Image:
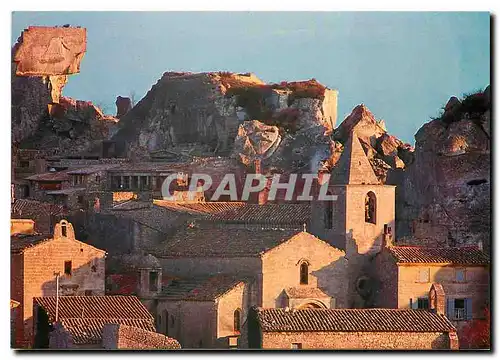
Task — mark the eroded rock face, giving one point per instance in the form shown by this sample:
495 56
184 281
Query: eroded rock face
48 51
385 152
208 108
255 141
445 193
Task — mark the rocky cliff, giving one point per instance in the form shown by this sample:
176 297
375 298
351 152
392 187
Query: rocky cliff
444 197
42 60
207 109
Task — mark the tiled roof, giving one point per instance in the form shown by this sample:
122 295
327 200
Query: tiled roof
270 213
200 289
145 213
222 242
85 316
201 208
92 169
352 320
143 339
21 242
89 331
305 292
26 208
50 176
429 255
95 307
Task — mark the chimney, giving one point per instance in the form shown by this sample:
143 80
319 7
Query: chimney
387 236
437 299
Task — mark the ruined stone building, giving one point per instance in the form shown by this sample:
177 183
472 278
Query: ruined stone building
35 261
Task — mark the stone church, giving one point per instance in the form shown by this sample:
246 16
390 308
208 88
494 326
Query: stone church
357 221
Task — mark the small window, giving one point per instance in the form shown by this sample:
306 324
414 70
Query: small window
423 303
80 199
237 320
64 230
423 275
93 268
153 281
296 346
460 275
460 309
304 273
88 292
97 179
67 267
370 208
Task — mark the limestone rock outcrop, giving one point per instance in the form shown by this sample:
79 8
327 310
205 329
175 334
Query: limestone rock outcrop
444 195
385 151
255 141
47 51
42 60
207 109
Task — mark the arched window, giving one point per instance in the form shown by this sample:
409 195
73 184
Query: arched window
370 208
304 273
237 318
328 213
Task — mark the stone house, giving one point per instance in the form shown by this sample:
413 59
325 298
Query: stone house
80 320
405 274
356 221
40 184
35 261
272 268
349 329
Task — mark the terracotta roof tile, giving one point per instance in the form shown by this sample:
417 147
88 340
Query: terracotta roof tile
429 255
25 208
92 169
270 213
50 176
84 316
95 307
222 242
201 208
352 320
89 331
21 242
305 292
142 339
200 289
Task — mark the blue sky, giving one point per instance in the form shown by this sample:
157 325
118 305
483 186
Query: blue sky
403 66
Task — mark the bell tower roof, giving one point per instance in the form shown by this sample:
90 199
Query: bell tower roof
353 167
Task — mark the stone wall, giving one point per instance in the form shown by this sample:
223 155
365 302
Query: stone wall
204 266
476 286
281 269
40 263
357 340
192 323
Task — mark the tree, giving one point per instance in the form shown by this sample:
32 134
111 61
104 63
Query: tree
476 335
